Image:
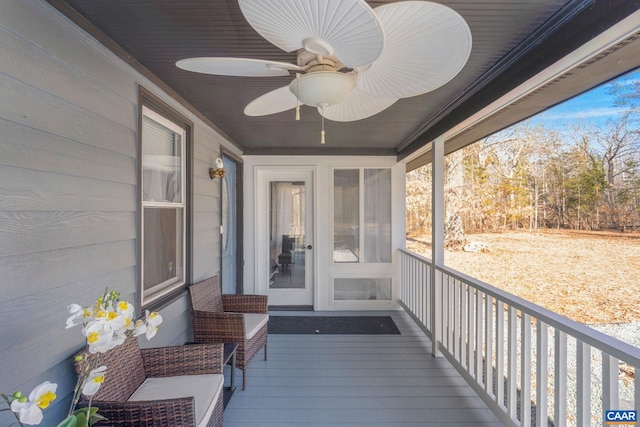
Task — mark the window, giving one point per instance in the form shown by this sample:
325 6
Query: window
362 215
361 289
163 194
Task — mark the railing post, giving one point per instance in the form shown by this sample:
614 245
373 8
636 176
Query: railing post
583 383
560 379
542 374
437 241
610 392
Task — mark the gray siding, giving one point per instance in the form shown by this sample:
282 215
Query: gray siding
68 129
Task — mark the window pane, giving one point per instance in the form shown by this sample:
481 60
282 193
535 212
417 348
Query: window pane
163 264
226 212
377 215
346 215
362 289
161 162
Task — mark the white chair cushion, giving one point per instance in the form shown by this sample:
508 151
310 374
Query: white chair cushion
253 322
205 389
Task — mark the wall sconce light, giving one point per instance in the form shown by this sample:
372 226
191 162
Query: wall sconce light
218 171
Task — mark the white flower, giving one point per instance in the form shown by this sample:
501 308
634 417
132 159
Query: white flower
30 411
78 315
154 318
125 309
74 308
119 337
149 326
139 328
99 338
94 381
111 320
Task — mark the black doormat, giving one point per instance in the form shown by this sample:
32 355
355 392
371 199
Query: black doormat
336 325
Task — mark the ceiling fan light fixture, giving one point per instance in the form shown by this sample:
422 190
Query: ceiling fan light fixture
322 88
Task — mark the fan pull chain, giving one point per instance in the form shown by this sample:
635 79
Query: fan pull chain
297 100
322 131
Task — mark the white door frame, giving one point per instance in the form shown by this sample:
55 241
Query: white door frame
263 177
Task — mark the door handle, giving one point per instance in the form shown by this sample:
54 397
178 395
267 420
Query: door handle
309 247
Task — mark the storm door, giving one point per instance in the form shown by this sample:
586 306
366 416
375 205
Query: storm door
231 229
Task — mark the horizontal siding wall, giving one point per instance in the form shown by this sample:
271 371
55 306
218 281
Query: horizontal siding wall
68 129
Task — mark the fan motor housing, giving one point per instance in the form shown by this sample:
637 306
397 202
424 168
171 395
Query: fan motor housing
314 62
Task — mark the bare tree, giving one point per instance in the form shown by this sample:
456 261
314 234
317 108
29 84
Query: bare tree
616 144
454 237
418 200
528 177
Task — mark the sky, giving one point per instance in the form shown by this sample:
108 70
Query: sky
595 106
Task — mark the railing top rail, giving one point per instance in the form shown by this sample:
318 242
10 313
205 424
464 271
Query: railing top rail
613 346
415 255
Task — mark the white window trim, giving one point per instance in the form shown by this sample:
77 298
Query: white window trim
361 218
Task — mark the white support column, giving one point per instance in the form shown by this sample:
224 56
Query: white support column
437 240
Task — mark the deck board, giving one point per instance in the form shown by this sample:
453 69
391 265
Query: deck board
355 380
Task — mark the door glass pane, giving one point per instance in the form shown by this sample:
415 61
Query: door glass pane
225 213
346 215
377 215
287 234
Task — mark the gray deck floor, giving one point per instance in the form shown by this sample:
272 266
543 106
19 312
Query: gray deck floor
354 380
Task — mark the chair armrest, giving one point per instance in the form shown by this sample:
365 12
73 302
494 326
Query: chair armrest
245 303
213 327
151 413
182 360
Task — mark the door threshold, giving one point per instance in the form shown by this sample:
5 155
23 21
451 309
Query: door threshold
290 308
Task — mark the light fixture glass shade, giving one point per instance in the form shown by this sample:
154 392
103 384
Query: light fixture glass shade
322 88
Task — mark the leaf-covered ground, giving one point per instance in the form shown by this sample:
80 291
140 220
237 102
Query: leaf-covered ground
590 277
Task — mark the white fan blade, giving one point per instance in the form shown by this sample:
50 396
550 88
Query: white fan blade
272 102
358 105
237 67
426 45
348 29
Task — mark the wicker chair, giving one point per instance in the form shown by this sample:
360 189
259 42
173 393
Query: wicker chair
240 319
134 376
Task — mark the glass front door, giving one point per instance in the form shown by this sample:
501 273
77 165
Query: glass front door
287 218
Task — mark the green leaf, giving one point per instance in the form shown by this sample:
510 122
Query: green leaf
94 417
81 420
70 421
83 411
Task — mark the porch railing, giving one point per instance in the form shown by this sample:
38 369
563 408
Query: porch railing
530 365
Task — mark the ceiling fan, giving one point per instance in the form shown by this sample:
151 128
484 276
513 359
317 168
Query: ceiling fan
352 61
